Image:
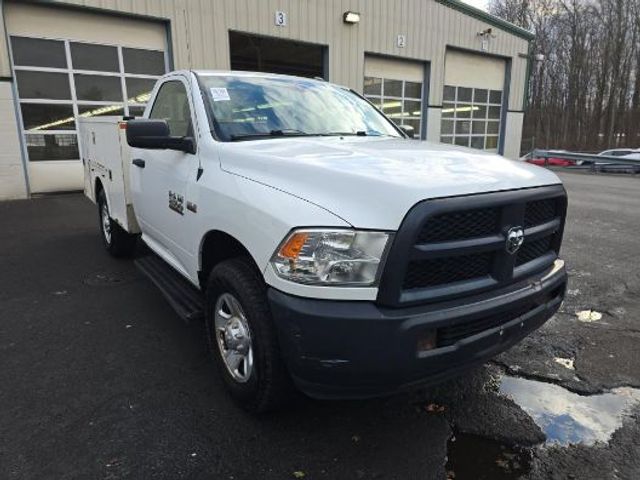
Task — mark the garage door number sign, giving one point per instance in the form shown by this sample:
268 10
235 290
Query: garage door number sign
281 19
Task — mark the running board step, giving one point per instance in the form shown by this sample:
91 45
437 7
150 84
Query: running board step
186 300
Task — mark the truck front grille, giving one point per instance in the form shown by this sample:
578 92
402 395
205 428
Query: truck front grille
460 225
456 246
428 273
533 249
540 211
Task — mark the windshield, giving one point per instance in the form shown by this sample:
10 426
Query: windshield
246 108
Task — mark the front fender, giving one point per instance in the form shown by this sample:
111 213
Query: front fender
257 215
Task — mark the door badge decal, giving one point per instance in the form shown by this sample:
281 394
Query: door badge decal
176 202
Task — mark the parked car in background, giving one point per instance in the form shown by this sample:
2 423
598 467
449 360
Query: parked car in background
551 161
623 168
610 166
619 152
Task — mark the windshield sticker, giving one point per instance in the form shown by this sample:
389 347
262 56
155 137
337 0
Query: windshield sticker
219 94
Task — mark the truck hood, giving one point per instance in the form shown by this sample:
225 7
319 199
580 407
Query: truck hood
373 182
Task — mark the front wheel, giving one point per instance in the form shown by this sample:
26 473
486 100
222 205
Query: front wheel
117 241
242 337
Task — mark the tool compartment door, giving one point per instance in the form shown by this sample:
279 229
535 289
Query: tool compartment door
106 160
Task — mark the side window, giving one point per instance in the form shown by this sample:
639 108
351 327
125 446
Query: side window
172 105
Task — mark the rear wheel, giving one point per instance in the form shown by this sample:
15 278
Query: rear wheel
242 337
117 241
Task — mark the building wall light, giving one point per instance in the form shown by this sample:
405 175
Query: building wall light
351 17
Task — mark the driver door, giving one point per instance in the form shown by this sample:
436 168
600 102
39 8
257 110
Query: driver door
162 183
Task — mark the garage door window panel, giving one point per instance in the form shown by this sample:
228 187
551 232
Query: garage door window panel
43 85
480 95
462 141
36 52
392 88
41 116
494 113
479 112
463 110
475 116
43 147
449 94
400 100
447 127
372 86
101 58
139 89
413 122
98 88
479 128
146 62
477 142
464 94
413 90
491 143
448 110
58 80
463 127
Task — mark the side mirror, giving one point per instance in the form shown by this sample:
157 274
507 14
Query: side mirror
408 130
154 134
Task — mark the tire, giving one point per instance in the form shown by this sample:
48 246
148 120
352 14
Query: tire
118 242
265 385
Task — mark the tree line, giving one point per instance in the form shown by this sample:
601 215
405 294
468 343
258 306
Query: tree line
585 94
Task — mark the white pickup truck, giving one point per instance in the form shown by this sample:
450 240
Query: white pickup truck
325 249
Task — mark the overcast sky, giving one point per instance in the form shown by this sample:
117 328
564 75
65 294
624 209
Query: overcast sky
477 3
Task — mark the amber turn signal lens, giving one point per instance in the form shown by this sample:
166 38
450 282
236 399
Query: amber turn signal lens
426 341
292 248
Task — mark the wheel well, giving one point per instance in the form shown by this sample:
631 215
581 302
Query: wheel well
98 188
216 247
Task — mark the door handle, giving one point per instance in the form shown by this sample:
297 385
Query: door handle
138 162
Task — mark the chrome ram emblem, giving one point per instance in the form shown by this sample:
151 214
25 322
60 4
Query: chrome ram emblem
515 238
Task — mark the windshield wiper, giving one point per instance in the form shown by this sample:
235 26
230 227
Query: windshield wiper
287 132
359 133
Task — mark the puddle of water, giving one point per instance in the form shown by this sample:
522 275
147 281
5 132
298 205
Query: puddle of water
478 458
566 417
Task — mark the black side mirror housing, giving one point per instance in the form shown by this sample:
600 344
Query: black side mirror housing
408 130
155 134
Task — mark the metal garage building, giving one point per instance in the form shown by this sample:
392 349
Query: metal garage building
453 72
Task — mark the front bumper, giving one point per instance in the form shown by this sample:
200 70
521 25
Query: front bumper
356 349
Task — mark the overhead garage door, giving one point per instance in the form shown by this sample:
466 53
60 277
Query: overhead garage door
396 86
276 55
472 100
69 63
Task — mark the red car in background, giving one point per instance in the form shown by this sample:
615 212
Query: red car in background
551 161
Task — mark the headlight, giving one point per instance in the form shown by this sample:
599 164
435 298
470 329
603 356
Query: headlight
331 257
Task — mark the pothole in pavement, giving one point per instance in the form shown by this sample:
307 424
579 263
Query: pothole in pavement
566 417
563 416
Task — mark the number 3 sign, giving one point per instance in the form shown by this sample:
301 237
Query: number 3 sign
281 19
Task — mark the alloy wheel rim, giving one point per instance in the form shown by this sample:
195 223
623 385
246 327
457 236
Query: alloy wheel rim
233 337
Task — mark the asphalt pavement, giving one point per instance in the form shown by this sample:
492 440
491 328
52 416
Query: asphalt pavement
99 379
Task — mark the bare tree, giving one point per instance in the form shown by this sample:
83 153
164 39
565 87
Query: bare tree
586 94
